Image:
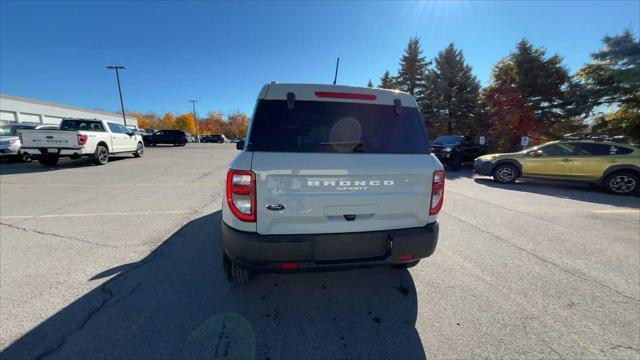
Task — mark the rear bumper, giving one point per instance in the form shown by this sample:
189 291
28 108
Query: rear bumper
483 167
327 251
61 151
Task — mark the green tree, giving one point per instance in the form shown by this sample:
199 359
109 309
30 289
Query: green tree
369 84
451 94
613 79
387 81
413 67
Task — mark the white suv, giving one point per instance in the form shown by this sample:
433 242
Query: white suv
331 177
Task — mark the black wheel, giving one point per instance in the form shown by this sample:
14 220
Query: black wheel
139 150
455 163
24 157
101 156
405 265
505 173
622 183
236 274
48 160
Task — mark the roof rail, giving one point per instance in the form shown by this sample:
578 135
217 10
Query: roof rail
601 137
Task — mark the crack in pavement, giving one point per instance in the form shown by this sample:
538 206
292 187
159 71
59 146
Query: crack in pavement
543 259
57 235
109 294
72 238
109 289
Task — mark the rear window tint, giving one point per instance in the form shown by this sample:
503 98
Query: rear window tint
84 125
588 149
314 126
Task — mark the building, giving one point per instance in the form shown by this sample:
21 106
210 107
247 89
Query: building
17 109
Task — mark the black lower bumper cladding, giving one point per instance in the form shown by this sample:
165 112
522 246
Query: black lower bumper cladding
318 251
483 167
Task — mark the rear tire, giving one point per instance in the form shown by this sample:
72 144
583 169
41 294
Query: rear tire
48 160
101 156
622 183
236 274
139 150
505 173
24 157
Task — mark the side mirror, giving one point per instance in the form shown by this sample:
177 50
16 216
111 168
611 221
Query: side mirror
240 145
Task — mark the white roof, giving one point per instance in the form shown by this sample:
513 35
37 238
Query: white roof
323 92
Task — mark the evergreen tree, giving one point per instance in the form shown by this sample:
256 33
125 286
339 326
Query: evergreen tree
369 84
413 67
614 75
387 81
541 80
613 78
451 90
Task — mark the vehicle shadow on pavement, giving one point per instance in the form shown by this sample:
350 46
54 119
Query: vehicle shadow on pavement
9 168
176 303
465 171
567 190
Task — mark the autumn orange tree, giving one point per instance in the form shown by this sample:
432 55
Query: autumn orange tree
186 122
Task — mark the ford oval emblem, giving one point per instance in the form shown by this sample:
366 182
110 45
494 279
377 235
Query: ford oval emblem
275 207
49 137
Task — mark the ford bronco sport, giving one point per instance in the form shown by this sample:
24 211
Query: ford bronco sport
331 177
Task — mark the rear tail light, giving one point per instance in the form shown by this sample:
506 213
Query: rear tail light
437 192
241 194
82 139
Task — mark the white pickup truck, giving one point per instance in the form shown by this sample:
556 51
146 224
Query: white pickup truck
81 137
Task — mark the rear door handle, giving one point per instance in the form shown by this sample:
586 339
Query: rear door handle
567 160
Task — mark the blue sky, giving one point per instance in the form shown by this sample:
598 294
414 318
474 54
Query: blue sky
222 53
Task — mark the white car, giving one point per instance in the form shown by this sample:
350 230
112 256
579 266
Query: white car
10 140
331 177
97 139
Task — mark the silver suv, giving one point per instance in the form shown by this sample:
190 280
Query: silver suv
331 177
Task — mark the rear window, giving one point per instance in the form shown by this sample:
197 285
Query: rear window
314 126
84 125
589 149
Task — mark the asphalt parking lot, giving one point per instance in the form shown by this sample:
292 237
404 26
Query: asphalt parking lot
123 261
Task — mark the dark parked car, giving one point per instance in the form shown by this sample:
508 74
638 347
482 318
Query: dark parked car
454 150
171 137
217 138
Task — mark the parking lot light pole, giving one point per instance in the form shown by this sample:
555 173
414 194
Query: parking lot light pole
193 102
116 68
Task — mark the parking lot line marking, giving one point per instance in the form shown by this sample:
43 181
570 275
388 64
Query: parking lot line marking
617 211
135 213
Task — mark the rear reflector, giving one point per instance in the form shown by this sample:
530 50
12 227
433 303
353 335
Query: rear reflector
406 257
289 266
341 95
